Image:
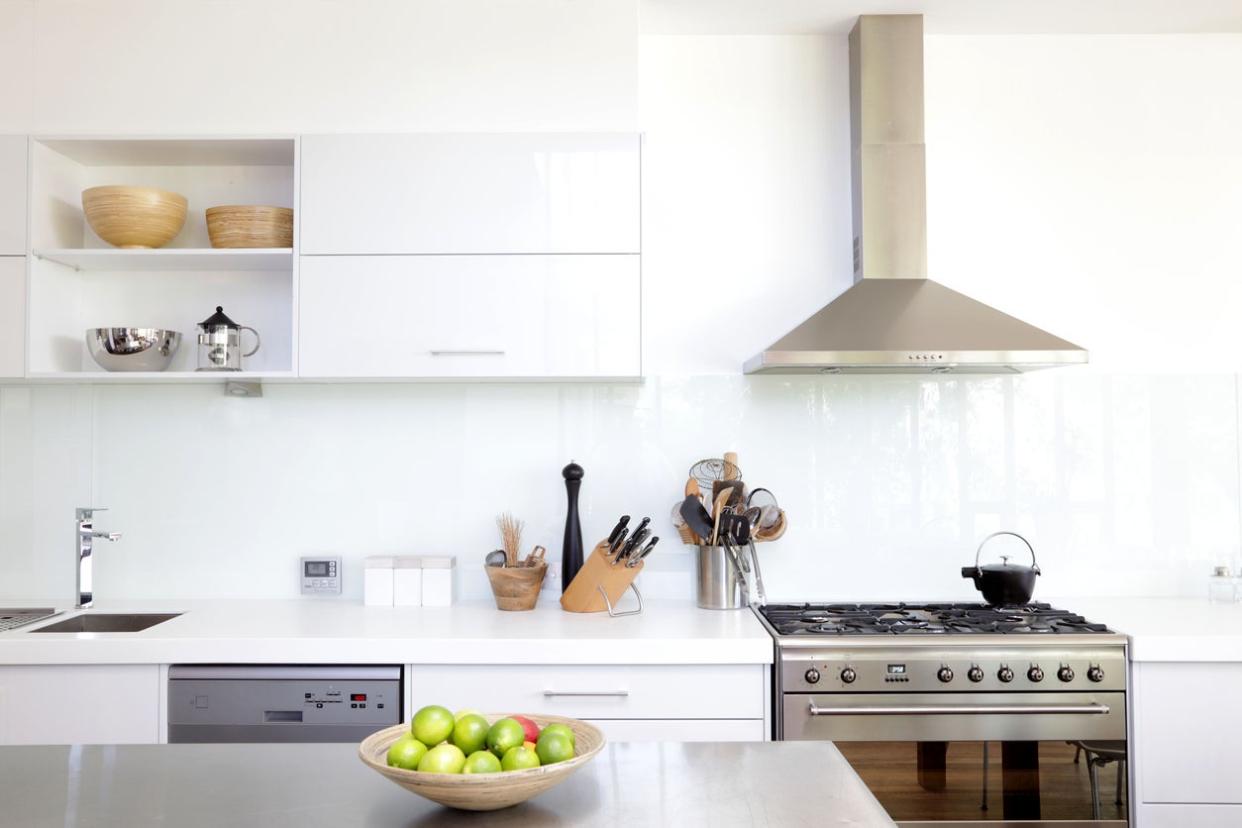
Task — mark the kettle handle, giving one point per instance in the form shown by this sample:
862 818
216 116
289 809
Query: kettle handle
257 341
984 542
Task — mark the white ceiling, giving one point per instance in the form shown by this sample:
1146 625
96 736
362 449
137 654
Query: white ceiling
944 16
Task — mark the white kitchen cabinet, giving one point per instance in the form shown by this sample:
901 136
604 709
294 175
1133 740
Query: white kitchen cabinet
469 316
638 702
445 193
12 316
1189 816
682 730
79 704
13 151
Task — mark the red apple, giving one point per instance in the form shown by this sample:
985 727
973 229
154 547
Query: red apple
532 729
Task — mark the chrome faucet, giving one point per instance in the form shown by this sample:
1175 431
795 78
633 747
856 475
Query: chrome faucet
86 541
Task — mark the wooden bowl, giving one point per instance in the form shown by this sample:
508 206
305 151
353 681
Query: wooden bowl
134 217
483 791
249 226
516 588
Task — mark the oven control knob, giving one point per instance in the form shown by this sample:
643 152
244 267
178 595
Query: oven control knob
811 676
945 674
975 673
848 675
1005 674
1035 673
1095 673
1066 673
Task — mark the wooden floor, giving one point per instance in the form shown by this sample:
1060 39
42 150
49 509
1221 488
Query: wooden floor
890 771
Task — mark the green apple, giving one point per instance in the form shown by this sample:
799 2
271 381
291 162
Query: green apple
505 734
553 747
406 752
470 733
461 714
432 725
443 759
557 727
519 758
482 761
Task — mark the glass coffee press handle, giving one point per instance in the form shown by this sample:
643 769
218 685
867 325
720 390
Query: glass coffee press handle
257 341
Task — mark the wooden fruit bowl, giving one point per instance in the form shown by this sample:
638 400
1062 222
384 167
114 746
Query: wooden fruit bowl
134 217
483 791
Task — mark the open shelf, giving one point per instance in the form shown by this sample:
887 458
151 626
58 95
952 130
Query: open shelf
101 376
170 258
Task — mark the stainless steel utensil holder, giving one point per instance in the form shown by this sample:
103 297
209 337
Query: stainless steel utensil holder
719 583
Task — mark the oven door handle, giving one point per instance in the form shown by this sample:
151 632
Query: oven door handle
1093 709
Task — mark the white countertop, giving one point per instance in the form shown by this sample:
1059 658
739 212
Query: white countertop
1168 629
337 632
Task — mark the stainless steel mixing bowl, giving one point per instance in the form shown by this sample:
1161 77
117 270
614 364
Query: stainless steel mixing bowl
132 349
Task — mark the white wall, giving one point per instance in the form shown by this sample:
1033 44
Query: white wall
1057 192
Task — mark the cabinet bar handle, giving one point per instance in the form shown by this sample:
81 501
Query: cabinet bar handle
552 693
468 353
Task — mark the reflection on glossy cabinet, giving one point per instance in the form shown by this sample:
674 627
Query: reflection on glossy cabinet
502 193
109 704
13 150
12 316
469 316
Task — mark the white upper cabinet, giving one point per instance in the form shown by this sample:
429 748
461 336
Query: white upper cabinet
13 195
469 316
12 316
443 193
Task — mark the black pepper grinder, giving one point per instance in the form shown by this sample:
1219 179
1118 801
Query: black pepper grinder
571 548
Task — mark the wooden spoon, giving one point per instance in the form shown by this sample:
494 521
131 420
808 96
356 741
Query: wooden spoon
731 468
692 488
718 505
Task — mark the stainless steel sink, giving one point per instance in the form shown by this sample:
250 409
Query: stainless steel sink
110 622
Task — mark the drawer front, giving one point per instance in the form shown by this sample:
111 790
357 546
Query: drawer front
1189 816
681 730
596 691
461 194
12 316
469 316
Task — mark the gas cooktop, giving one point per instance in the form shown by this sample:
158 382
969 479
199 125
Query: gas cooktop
802 620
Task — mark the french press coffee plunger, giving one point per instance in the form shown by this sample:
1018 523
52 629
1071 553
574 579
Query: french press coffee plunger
219 343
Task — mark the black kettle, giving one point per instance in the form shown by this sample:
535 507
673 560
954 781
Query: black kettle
1004 583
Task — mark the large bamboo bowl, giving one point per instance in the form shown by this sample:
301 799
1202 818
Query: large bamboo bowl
250 226
134 217
483 791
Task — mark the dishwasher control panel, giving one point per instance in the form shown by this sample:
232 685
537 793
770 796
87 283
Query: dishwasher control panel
281 703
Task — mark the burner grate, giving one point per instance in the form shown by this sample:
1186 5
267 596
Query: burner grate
925 619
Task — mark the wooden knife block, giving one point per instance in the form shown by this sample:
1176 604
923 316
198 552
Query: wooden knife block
583 593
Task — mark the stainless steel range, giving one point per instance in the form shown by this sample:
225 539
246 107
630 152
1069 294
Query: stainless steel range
961 713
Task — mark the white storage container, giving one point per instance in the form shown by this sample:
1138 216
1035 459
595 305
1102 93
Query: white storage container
377 583
408 581
438 581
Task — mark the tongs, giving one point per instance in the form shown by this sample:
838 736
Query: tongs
735 536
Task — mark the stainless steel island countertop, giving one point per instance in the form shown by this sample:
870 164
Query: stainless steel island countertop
629 784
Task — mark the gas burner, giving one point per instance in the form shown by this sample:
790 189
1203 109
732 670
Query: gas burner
925 619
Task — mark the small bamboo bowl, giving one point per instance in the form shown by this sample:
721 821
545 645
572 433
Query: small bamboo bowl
483 791
237 226
516 588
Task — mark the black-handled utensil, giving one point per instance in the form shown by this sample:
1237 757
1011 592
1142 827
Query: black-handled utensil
697 517
632 544
618 529
615 547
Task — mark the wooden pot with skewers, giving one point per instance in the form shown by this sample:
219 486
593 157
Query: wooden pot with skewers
515 580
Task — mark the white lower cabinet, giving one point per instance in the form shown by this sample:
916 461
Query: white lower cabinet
79 704
630 703
445 317
1187 744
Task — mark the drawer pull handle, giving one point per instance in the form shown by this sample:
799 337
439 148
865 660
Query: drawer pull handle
467 353
553 693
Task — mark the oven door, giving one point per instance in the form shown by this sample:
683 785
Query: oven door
978 758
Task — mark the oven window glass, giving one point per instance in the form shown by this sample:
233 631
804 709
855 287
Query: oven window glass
993 781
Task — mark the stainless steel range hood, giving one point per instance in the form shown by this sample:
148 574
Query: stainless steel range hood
894 319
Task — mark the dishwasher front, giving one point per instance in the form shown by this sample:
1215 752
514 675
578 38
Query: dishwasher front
281 703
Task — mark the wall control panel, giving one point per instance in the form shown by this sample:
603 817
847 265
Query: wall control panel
321 576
